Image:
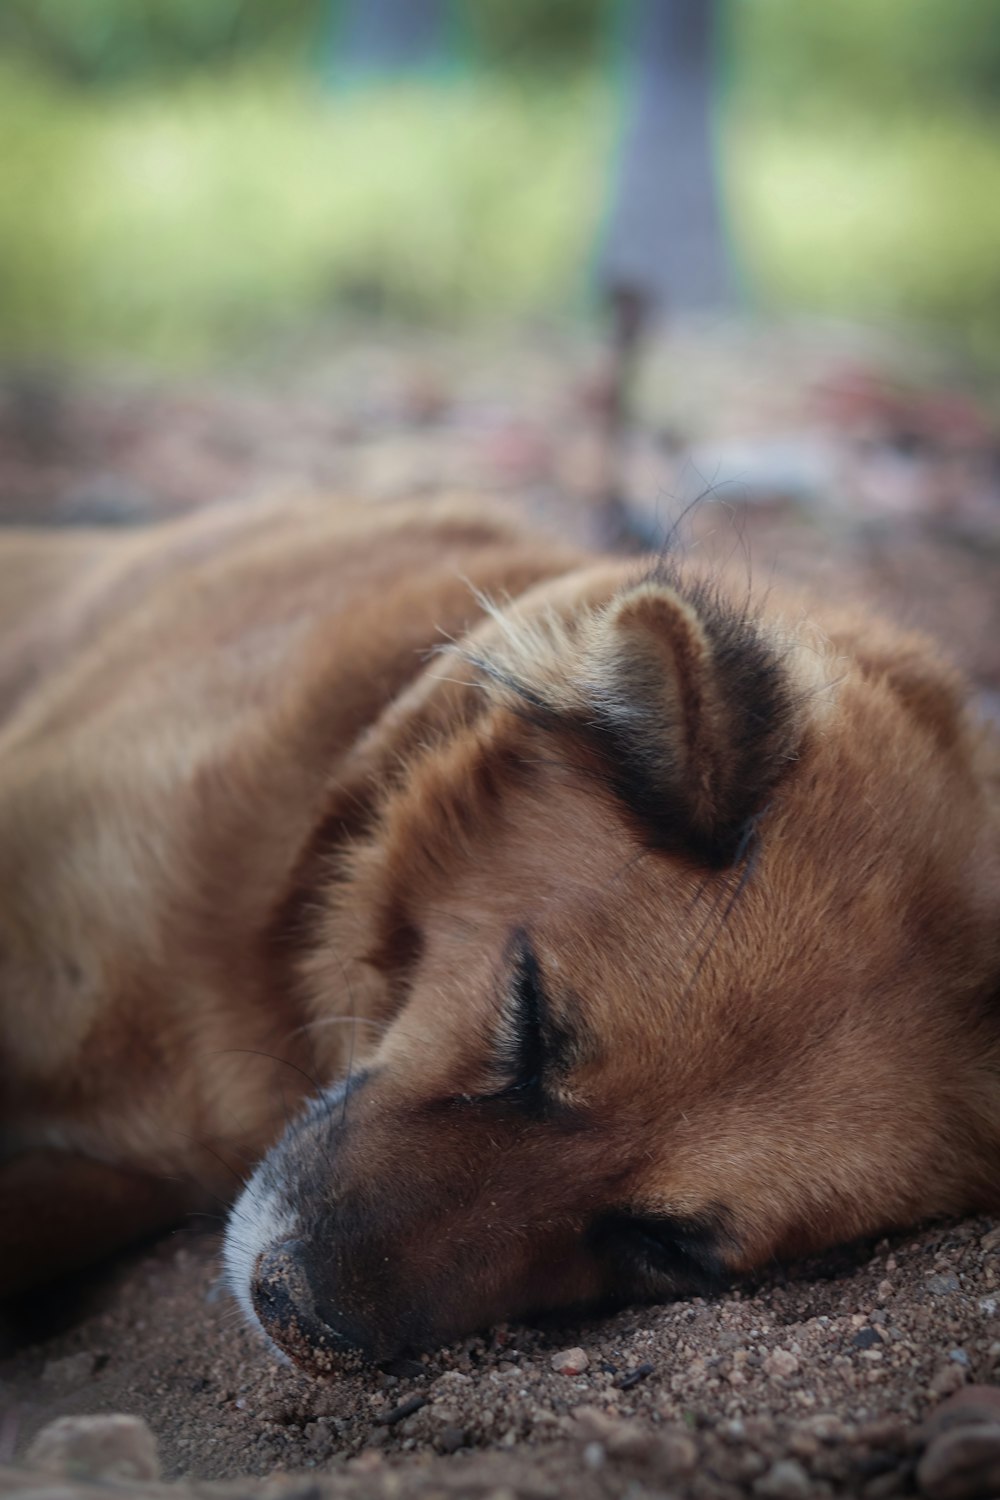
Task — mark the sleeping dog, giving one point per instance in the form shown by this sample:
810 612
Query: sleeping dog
505 927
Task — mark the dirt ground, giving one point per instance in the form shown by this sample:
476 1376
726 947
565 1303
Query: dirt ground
850 462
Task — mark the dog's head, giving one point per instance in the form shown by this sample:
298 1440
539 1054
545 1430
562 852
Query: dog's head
671 935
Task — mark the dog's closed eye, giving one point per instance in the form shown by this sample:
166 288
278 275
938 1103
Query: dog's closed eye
530 1046
526 1039
685 1250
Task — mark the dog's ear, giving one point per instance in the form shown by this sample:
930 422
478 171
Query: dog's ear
678 700
442 700
690 709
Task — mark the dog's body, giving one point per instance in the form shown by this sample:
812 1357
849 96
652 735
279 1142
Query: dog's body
668 925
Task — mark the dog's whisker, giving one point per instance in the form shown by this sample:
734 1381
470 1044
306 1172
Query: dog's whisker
271 1057
205 1146
346 1020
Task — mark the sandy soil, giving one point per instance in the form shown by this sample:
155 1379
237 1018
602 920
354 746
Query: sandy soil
836 459
827 1373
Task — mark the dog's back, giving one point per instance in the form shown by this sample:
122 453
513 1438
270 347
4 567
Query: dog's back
173 704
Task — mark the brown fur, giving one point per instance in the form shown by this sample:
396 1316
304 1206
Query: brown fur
667 919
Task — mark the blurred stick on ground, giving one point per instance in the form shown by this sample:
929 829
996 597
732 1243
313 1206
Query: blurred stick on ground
663 248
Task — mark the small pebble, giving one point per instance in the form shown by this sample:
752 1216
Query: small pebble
827 1427
108 1447
972 1404
947 1379
677 1455
963 1464
450 1439
570 1362
785 1480
631 1440
781 1363
367 1461
943 1284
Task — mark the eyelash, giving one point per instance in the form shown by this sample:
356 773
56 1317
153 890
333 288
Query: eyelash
525 1046
527 1003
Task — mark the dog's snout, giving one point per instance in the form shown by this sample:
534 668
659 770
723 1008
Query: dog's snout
284 1301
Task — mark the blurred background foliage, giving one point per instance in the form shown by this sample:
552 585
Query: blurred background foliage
182 180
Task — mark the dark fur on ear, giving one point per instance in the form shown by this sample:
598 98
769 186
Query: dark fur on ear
691 710
680 698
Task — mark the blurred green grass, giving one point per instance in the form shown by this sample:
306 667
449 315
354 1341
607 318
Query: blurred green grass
895 223
174 221
194 216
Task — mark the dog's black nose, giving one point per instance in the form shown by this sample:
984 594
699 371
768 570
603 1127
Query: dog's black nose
284 1302
279 1288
